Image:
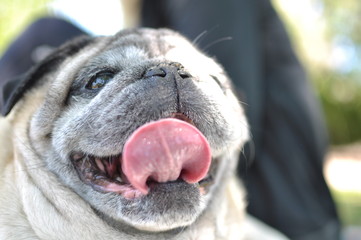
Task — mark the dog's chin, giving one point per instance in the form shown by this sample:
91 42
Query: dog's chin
167 206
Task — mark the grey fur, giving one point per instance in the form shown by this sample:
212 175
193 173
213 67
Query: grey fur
68 118
101 124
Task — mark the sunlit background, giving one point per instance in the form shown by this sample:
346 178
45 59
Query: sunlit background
327 37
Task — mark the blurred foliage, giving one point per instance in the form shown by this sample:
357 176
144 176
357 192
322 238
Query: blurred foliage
340 95
15 15
340 89
343 18
331 53
349 207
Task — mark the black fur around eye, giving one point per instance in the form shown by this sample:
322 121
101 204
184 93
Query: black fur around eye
99 80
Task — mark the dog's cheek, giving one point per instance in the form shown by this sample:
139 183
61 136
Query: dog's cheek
58 85
46 126
233 126
224 126
41 129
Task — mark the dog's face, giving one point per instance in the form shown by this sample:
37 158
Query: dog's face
142 126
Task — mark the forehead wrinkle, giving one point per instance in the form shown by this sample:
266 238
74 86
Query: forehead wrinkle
154 45
119 58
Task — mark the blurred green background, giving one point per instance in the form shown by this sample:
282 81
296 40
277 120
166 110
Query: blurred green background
327 37
15 15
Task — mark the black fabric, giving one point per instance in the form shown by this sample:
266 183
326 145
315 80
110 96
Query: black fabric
17 59
285 182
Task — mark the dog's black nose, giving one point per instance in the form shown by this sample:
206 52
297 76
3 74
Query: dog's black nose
163 71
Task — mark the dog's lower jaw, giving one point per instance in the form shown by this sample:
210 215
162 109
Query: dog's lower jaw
169 211
163 210
222 218
212 208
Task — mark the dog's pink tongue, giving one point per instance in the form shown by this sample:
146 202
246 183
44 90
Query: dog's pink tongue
164 151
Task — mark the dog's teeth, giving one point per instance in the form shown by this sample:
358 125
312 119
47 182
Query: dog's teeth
111 167
99 177
119 179
78 156
100 165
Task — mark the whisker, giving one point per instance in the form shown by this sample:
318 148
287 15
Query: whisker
243 103
217 41
195 41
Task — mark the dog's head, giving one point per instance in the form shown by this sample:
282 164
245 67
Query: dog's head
141 125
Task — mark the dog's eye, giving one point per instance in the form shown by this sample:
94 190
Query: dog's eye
99 80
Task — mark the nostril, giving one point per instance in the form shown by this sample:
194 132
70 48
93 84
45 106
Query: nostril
155 72
184 74
169 70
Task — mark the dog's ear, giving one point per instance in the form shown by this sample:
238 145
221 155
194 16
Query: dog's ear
14 90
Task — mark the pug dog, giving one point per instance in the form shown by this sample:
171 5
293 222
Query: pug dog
132 136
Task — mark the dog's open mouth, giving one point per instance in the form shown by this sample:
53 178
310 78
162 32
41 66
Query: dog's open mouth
163 151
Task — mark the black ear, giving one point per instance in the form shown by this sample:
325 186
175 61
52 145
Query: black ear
14 90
